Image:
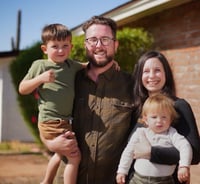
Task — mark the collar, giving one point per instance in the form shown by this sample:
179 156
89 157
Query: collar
108 74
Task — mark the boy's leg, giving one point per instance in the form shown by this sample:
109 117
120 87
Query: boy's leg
52 168
59 178
71 169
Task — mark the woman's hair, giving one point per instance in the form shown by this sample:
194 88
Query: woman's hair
102 21
140 93
159 103
55 32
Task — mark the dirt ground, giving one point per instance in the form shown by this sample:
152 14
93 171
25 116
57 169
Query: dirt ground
30 168
24 169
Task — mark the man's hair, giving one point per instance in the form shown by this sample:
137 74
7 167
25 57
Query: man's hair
103 21
55 32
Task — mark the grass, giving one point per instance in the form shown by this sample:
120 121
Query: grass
19 147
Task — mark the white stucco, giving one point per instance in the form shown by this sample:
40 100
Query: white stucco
12 125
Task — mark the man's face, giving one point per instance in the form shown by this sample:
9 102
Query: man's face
100 45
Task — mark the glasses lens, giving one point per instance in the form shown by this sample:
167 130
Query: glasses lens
92 41
104 41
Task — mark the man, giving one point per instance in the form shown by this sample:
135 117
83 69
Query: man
102 108
103 105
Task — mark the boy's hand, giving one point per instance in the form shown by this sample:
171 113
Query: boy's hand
117 67
48 76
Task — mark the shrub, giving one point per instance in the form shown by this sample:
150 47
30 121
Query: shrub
132 43
27 103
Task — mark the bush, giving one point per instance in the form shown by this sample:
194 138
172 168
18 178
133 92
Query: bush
133 42
28 103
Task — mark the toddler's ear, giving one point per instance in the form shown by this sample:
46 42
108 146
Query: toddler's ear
143 121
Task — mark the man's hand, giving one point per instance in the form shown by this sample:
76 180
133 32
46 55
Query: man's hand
65 144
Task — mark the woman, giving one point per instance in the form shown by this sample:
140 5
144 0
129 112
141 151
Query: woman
152 75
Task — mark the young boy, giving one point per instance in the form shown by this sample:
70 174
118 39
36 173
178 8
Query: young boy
158 113
54 79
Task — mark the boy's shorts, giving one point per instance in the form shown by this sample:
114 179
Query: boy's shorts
53 128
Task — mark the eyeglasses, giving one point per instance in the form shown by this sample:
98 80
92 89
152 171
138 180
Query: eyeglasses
105 41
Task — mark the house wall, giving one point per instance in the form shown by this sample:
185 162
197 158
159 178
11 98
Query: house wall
177 35
12 125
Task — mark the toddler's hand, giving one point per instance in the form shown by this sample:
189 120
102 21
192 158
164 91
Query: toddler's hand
184 174
120 178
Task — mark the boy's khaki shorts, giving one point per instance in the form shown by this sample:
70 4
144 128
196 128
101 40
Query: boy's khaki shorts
53 128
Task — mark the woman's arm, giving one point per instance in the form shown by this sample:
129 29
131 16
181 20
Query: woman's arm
187 126
160 155
167 156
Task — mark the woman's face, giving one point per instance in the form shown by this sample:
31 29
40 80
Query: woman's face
153 77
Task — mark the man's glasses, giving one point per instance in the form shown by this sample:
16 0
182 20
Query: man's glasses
105 41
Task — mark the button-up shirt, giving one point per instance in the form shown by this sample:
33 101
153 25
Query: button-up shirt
102 123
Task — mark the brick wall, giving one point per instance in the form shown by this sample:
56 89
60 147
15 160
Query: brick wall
185 64
177 35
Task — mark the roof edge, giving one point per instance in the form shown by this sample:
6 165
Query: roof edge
134 10
9 54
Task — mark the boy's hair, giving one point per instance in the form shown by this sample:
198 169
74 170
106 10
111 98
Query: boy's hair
159 102
55 32
102 21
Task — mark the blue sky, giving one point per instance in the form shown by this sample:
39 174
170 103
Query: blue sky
37 13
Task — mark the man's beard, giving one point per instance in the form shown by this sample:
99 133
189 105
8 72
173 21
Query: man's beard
94 62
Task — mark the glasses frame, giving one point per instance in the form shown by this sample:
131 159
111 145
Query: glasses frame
94 43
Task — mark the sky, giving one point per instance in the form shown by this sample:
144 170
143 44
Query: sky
35 14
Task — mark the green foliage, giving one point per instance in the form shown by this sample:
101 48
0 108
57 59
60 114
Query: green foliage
27 103
78 51
133 42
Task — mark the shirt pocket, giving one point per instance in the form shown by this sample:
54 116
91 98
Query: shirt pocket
121 105
116 112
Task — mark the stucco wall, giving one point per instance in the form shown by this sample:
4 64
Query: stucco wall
12 125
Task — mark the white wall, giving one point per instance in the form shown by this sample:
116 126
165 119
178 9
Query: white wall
12 125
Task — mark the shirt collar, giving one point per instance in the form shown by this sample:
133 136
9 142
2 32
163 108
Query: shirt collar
108 74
